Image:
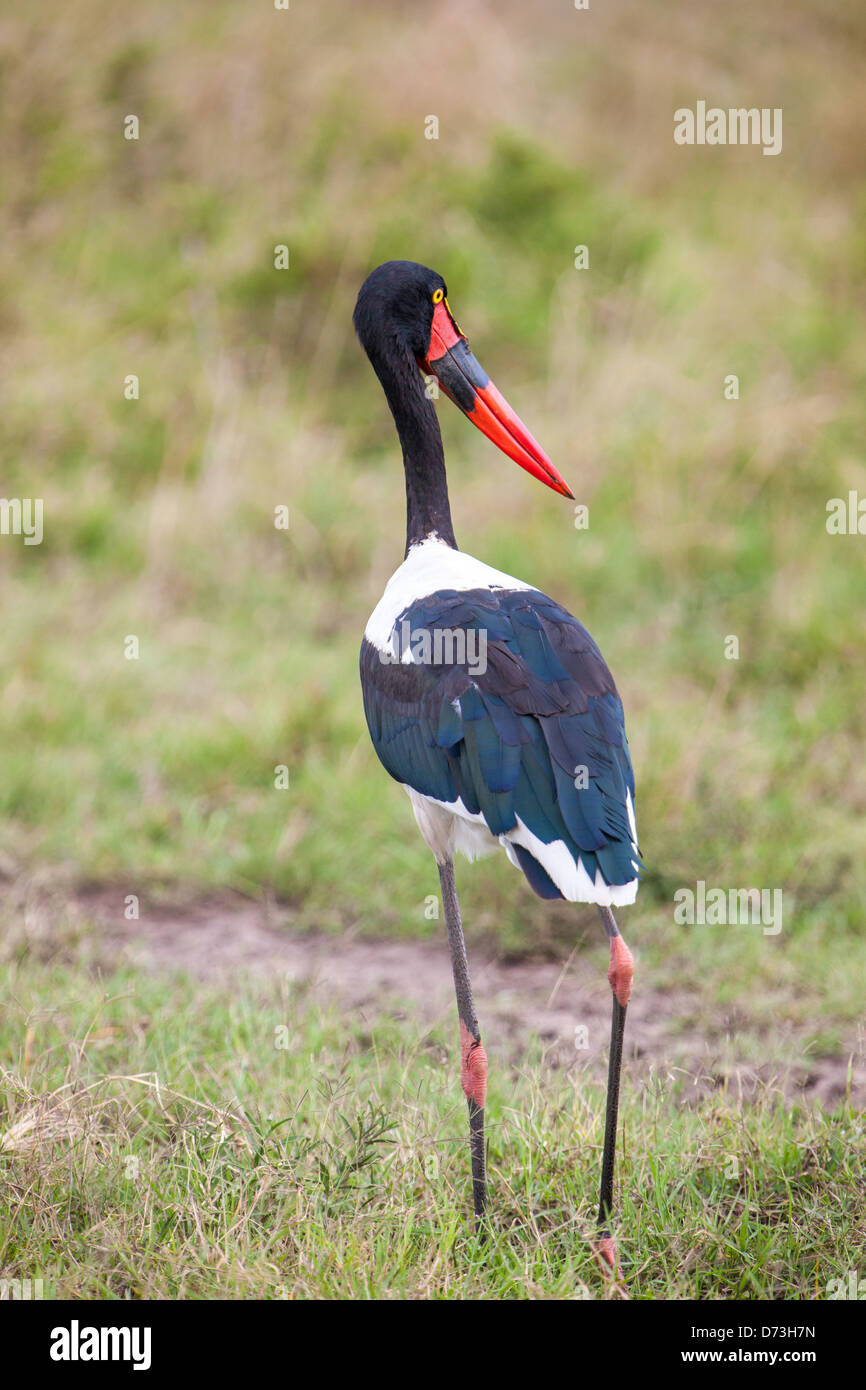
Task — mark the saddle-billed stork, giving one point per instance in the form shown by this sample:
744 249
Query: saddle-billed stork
485 699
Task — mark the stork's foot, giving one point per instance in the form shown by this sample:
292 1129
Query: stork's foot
620 972
607 1259
606 1255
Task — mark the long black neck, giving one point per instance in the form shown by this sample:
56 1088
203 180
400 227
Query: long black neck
427 507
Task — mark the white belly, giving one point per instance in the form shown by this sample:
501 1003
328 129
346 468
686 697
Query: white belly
447 826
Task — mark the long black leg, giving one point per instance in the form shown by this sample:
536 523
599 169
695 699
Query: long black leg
473 1069
620 976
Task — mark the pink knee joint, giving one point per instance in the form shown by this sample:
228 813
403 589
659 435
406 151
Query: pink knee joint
473 1068
620 972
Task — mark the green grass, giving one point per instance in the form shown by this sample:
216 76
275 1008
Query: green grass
180 1153
707 519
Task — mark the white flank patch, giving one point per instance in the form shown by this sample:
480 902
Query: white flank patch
629 806
447 826
569 875
431 565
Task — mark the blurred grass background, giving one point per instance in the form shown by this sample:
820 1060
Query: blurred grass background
707 516
153 1141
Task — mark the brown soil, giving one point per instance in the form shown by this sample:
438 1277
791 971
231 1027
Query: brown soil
672 1031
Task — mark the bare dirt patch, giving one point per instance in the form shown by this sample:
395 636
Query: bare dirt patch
673 1032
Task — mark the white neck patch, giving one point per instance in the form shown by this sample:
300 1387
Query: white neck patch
431 565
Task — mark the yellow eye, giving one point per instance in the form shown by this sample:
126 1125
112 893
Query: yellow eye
438 296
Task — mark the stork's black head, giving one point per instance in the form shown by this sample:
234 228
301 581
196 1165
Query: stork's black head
396 303
401 316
